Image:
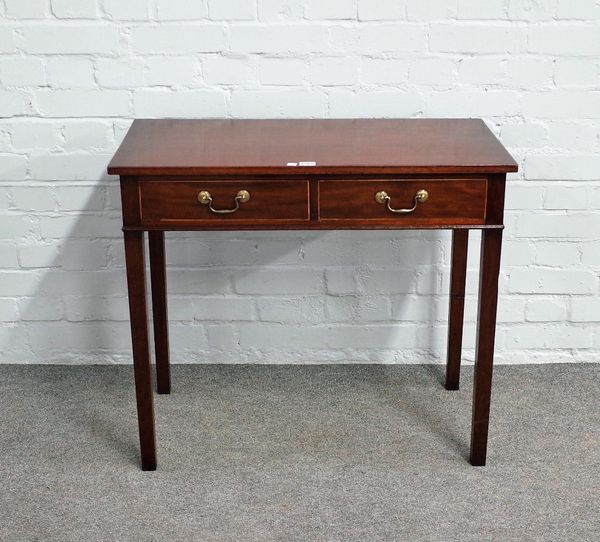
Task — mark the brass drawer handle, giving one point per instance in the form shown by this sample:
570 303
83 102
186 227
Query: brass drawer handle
420 197
241 197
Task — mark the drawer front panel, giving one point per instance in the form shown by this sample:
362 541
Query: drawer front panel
178 201
448 202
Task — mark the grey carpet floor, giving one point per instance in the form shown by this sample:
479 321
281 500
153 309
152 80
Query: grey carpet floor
286 453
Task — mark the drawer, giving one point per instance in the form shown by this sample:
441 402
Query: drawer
420 201
202 202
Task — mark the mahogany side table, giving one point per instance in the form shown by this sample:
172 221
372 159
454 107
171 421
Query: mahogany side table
312 175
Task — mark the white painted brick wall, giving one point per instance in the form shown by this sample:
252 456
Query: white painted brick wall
74 73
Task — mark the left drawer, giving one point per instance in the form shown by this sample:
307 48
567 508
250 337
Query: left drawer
206 202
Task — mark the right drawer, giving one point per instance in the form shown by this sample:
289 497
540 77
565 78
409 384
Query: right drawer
409 202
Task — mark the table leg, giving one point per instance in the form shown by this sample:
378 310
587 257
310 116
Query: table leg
456 312
491 244
156 241
136 283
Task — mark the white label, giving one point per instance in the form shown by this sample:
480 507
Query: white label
292 163
307 163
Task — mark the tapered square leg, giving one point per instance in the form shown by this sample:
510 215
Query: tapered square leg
156 241
456 312
136 284
491 244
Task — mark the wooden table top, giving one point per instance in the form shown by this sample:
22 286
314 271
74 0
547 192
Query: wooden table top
316 146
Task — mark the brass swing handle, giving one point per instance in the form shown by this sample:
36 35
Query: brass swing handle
241 197
420 197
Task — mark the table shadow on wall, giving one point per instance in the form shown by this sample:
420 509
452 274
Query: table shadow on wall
87 278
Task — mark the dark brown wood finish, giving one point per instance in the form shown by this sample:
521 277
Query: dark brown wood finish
450 201
164 164
177 202
495 199
344 146
491 243
136 284
156 242
458 276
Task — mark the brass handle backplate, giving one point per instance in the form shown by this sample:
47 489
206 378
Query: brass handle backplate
420 197
205 198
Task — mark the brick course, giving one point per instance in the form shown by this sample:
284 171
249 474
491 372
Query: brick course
74 73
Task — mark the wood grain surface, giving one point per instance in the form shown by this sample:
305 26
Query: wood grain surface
177 201
221 146
450 202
